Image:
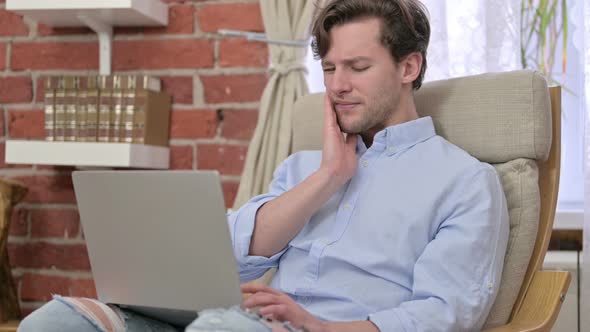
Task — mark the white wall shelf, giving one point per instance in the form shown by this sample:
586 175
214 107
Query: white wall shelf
87 154
100 15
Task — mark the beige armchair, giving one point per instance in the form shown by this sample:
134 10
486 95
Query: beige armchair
512 121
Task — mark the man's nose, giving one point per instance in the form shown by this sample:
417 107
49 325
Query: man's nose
340 82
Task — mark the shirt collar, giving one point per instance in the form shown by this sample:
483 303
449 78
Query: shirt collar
400 137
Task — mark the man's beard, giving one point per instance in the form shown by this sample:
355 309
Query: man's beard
367 119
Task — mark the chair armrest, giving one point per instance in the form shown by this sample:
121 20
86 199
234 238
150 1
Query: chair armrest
9 326
541 304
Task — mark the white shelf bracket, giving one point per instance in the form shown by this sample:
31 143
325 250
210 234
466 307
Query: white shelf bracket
105 42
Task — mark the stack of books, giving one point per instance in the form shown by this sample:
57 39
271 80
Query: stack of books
114 108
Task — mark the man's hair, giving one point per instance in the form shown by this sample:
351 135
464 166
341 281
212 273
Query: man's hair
404 26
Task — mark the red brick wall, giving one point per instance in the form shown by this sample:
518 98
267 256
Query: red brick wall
215 82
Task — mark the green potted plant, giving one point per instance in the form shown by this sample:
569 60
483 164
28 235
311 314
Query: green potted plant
542 23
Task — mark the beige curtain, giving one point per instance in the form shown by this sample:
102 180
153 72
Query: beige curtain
283 20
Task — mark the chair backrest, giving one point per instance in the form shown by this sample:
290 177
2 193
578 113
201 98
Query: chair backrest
504 119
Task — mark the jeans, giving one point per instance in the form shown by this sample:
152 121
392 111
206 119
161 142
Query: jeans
58 316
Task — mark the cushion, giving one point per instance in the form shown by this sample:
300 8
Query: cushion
499 118
495 117
519 179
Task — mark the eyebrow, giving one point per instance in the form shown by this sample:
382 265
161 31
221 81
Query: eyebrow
350 61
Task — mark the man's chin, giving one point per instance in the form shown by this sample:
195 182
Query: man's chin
350 131
347 128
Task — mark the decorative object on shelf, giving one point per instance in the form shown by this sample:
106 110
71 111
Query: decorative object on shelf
117 108
10 194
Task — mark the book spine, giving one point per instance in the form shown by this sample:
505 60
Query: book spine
127 124
60 111
129 85
72 84
51 84
128 116
147 82
81 110
104 108
81 116
139 116
49 114
92 100
104 115
116 110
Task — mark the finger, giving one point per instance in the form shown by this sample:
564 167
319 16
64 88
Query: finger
269 318
278 311
329 114
243 286
248 285
254 287
351 141
261 299
255 282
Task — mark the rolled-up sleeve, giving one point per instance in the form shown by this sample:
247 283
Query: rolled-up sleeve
457 276
241 226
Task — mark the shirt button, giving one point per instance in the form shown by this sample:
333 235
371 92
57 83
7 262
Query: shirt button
365 163
305 300
347 206
391 149
490 285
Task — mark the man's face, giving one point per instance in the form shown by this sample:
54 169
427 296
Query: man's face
361 77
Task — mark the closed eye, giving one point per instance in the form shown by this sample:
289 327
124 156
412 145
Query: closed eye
361 69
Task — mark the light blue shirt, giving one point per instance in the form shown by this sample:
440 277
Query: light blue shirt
415 241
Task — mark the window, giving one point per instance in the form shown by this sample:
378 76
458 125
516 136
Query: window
571 190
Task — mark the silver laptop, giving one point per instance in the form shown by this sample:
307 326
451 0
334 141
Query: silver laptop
158 241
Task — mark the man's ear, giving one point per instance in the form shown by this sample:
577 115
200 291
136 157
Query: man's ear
412 65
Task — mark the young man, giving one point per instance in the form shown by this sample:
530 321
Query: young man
389 228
